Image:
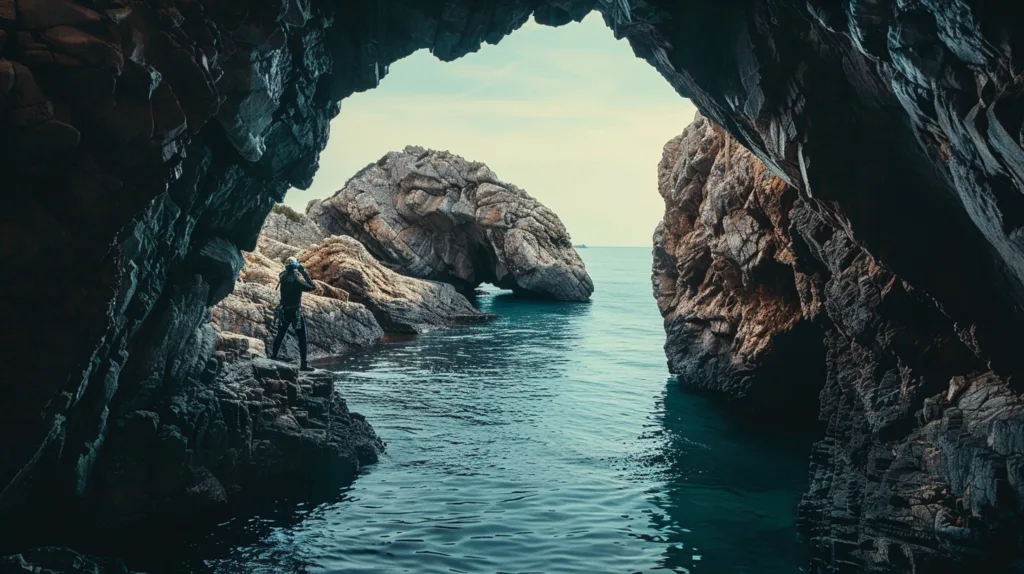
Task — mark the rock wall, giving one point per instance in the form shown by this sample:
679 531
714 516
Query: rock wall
133 139
738 318
767 301
434 215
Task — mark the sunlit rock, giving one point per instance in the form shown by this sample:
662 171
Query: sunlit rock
434 215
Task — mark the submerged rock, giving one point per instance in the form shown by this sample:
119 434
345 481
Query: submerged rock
55 560
434 215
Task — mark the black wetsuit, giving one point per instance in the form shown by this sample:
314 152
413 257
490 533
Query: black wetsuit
294 282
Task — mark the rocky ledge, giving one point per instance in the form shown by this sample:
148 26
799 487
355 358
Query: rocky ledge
768 301
434 215
357 299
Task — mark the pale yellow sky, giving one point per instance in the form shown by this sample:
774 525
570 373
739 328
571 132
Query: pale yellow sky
569 114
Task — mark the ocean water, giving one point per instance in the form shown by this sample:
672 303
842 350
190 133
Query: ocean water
551 440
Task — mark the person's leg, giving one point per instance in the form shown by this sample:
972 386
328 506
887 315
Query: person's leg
282 331
300 332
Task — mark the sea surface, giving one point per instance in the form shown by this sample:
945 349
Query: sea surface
550 440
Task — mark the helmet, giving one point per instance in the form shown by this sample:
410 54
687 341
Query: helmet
292 262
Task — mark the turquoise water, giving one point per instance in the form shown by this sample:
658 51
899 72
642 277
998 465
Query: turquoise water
551 440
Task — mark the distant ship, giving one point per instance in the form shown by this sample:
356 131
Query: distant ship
580 246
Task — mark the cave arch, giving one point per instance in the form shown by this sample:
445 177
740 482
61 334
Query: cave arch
134 163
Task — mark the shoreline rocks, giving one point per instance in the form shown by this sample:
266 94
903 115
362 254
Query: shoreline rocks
434 215
917 460
724 281
357 300
400 304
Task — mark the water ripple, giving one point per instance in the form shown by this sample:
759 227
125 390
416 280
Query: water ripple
551 440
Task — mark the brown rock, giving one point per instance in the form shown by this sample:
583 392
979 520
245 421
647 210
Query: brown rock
724 277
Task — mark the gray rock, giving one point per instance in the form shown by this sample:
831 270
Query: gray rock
285 231
401 304
333 326
436 216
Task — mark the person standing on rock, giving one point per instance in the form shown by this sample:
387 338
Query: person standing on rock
294 281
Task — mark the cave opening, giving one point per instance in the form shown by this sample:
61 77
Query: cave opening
144 143
542 109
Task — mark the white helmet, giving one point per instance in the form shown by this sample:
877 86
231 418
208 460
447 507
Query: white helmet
292 261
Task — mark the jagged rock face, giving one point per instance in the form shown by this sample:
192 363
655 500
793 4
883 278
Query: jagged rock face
436 216
917 471
401 304
287 232
334 325
267 431
724 277
133 139
357 299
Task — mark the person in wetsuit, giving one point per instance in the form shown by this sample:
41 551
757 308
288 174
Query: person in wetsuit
294 281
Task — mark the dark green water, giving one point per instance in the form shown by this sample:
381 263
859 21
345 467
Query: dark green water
551 440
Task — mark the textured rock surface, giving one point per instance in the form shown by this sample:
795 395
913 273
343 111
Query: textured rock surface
400 303
334 325
918 468
357 299
287 232
133 134
724 276
436 216
266 431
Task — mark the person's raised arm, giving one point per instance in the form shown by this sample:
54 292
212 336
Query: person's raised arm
307 283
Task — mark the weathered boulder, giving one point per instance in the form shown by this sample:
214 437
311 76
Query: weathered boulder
919 460
356 301
334 325
434 215
400 303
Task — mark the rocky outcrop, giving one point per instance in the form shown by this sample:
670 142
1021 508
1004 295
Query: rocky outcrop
334 325
357 299
286 233
768 301
401 304
267 431
725 281
434 215
133 140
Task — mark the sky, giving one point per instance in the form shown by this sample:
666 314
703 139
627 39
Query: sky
569 114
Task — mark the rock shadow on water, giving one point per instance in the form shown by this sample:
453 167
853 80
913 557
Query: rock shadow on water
249 542
731 487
